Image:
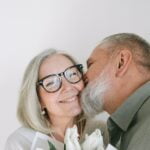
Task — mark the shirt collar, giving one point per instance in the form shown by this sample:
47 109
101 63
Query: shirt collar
124 115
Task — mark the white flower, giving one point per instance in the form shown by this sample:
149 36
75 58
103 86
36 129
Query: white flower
110 147
93 141
71 139
39 148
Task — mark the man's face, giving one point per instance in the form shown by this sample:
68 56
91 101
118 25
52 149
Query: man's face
96 63
99 81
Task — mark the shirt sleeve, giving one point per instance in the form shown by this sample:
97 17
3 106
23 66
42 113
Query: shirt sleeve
17 141
140 141
14 144
138 137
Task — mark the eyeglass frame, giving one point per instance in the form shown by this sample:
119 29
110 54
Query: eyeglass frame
59 75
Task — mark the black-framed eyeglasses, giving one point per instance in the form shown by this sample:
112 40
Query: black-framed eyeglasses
53 82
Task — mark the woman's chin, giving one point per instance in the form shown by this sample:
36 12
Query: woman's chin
75 112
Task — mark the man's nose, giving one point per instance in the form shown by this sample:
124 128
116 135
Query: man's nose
85 79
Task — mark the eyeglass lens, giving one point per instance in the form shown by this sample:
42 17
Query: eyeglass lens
53 82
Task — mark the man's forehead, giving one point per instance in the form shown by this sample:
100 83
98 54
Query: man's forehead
96 53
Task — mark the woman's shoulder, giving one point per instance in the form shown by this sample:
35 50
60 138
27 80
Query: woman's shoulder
29 139
23 133
22 137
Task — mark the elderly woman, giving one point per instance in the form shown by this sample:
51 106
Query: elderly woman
49 102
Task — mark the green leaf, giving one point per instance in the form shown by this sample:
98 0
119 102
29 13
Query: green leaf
51 146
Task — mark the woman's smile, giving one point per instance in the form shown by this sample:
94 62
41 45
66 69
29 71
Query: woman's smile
69 100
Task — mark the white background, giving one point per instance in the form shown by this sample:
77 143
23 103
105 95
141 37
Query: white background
76 26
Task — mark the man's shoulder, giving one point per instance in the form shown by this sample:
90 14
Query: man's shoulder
138 134
141 120
144 110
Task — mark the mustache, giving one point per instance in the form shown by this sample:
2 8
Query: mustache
90 103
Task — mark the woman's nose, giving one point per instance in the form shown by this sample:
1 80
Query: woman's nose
66 84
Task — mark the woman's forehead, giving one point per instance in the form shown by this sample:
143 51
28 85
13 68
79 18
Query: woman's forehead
54 64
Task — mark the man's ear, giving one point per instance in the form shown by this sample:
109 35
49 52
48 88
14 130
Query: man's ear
123 62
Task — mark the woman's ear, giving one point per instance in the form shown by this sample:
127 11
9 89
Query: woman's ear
41 101
42 104
123 62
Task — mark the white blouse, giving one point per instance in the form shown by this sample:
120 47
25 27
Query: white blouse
28 139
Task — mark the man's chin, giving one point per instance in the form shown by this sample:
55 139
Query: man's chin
91 107
92 98
92 112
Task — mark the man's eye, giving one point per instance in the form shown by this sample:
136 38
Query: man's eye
89 64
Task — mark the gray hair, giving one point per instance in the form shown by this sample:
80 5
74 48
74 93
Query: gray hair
92 98
29 108
139 47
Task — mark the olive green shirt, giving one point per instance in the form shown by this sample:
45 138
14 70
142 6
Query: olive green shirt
129 125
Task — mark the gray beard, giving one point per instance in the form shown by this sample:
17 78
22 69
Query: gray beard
92 98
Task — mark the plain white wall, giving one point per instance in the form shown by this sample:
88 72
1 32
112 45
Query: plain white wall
29 26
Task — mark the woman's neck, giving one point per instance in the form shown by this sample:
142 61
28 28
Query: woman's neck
59 126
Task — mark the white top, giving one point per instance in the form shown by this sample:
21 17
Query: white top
28 139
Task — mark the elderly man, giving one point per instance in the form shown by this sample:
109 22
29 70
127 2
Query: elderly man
118 82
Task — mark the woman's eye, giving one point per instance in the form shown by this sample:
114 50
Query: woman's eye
73 74
50 83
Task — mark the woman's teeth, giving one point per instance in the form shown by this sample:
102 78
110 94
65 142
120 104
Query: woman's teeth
69 100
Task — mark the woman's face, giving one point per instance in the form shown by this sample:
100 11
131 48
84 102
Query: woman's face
65 101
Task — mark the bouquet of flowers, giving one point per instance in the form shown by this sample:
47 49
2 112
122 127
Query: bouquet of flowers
94 141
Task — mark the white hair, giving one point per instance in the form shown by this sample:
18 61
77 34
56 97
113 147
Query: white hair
139 47
92 98
29 108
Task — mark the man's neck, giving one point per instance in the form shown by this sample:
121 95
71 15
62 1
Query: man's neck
127 90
